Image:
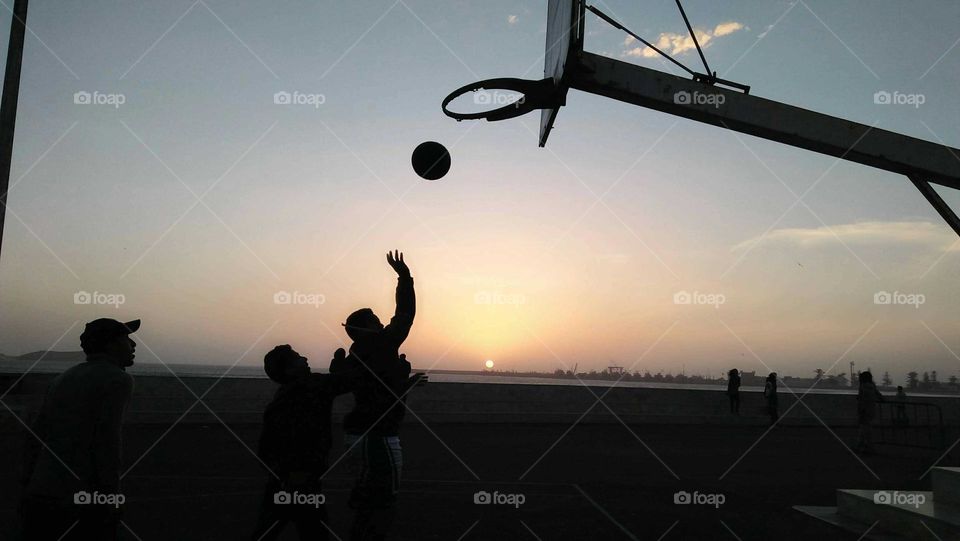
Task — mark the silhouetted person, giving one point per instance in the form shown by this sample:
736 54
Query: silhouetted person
372 428
733 390
295 442
770 394
901 409
867 398
71 473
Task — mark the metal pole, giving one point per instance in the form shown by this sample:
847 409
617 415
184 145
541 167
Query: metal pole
938 203
8 106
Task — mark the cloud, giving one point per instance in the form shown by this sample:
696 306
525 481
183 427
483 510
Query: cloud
629 41
677 44
929 234
512 19
723 29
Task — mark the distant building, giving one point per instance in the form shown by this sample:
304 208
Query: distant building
799 383
751 379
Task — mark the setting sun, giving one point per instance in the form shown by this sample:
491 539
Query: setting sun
488 364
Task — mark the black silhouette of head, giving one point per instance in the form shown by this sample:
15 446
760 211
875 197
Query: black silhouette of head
362 323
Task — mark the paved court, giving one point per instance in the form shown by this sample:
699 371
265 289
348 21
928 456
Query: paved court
595 481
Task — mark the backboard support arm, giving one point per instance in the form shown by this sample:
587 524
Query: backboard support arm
752 115
922 161
938 203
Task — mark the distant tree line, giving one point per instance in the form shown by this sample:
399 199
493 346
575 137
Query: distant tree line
915 381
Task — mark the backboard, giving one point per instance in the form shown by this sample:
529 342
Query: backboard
564 44
706 98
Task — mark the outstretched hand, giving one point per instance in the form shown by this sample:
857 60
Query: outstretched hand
395 260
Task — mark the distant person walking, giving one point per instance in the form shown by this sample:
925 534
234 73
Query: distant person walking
867 398
733 390
71 473
770 394
901 418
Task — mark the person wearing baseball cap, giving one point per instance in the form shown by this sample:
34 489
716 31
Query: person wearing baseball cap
71 475
108 339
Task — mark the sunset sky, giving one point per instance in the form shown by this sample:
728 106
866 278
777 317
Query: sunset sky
196 198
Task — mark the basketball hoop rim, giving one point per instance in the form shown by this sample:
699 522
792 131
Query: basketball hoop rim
537 94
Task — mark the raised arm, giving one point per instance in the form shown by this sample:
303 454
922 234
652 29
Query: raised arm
402 319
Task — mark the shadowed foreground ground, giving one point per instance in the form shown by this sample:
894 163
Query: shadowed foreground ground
597 482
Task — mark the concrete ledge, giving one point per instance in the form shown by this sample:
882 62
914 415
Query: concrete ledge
159 399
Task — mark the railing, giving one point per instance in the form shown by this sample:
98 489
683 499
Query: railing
910 424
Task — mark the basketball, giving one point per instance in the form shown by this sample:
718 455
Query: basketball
431 160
